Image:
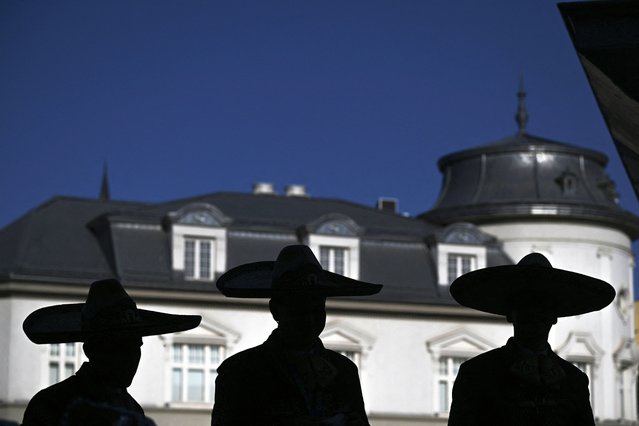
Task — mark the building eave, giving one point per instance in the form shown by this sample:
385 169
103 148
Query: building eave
74 292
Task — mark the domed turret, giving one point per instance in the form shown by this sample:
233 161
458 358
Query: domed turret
528 177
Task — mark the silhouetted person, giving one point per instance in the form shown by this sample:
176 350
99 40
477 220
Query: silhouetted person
525 382
111 327
290 379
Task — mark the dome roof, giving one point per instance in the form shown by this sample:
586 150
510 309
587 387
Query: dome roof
528 177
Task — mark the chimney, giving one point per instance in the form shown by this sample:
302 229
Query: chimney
263 188
387 204
295 191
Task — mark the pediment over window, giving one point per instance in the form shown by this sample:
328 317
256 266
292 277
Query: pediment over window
463 233
580 346
339 336
459 342
627 354
335 224
208 332
198 214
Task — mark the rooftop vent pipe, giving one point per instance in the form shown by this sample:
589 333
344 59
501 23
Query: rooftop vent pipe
296 191
263 188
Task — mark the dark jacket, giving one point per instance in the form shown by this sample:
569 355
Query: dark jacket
77 397
266 385
508 387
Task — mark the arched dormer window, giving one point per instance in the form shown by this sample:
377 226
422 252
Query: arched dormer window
461 248
334 239
198 237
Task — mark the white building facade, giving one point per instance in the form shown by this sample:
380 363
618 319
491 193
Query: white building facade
498 203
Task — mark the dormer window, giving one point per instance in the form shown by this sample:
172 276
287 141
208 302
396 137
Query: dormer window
334 241
459 264
334 259
198 242
199 262
461 248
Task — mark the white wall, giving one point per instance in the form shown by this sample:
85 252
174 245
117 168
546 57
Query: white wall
593 250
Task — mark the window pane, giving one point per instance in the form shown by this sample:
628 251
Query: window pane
443 396
456 363
452 268
54 350
54 373
216 354
443 366
212 377
339 260
325 257
195 390
205 259
70 350
189 258
69 368
177 353
466 264
176 385
196 354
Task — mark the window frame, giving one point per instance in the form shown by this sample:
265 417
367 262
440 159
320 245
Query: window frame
444 250
216 235
62 359
456 343
351 246
185 366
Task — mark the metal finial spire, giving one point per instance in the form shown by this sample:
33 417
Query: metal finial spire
104 187
522 115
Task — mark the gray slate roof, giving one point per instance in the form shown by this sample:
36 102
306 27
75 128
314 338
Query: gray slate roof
78 240
532 177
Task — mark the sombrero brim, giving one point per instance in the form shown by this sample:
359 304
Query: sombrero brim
63 324
500 289
254 280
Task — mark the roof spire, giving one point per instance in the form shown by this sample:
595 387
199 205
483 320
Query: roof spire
522 115
104 187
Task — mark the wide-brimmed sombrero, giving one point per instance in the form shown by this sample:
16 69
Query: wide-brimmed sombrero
108 310
531 284
295 272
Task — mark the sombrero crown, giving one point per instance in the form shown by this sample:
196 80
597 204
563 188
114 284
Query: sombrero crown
108 310
533 284
295 272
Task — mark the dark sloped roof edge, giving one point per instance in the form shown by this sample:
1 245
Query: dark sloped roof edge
522 143
489 213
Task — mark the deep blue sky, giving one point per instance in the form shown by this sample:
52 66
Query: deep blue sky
355 99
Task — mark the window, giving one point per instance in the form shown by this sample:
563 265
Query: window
334 239
198 259
334 259
586 367
461 248
459 264
194 370
198 252
64 361
448 351
448 369
583 351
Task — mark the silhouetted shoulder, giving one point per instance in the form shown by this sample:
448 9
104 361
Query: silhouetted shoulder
339 360
245 359
48 405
